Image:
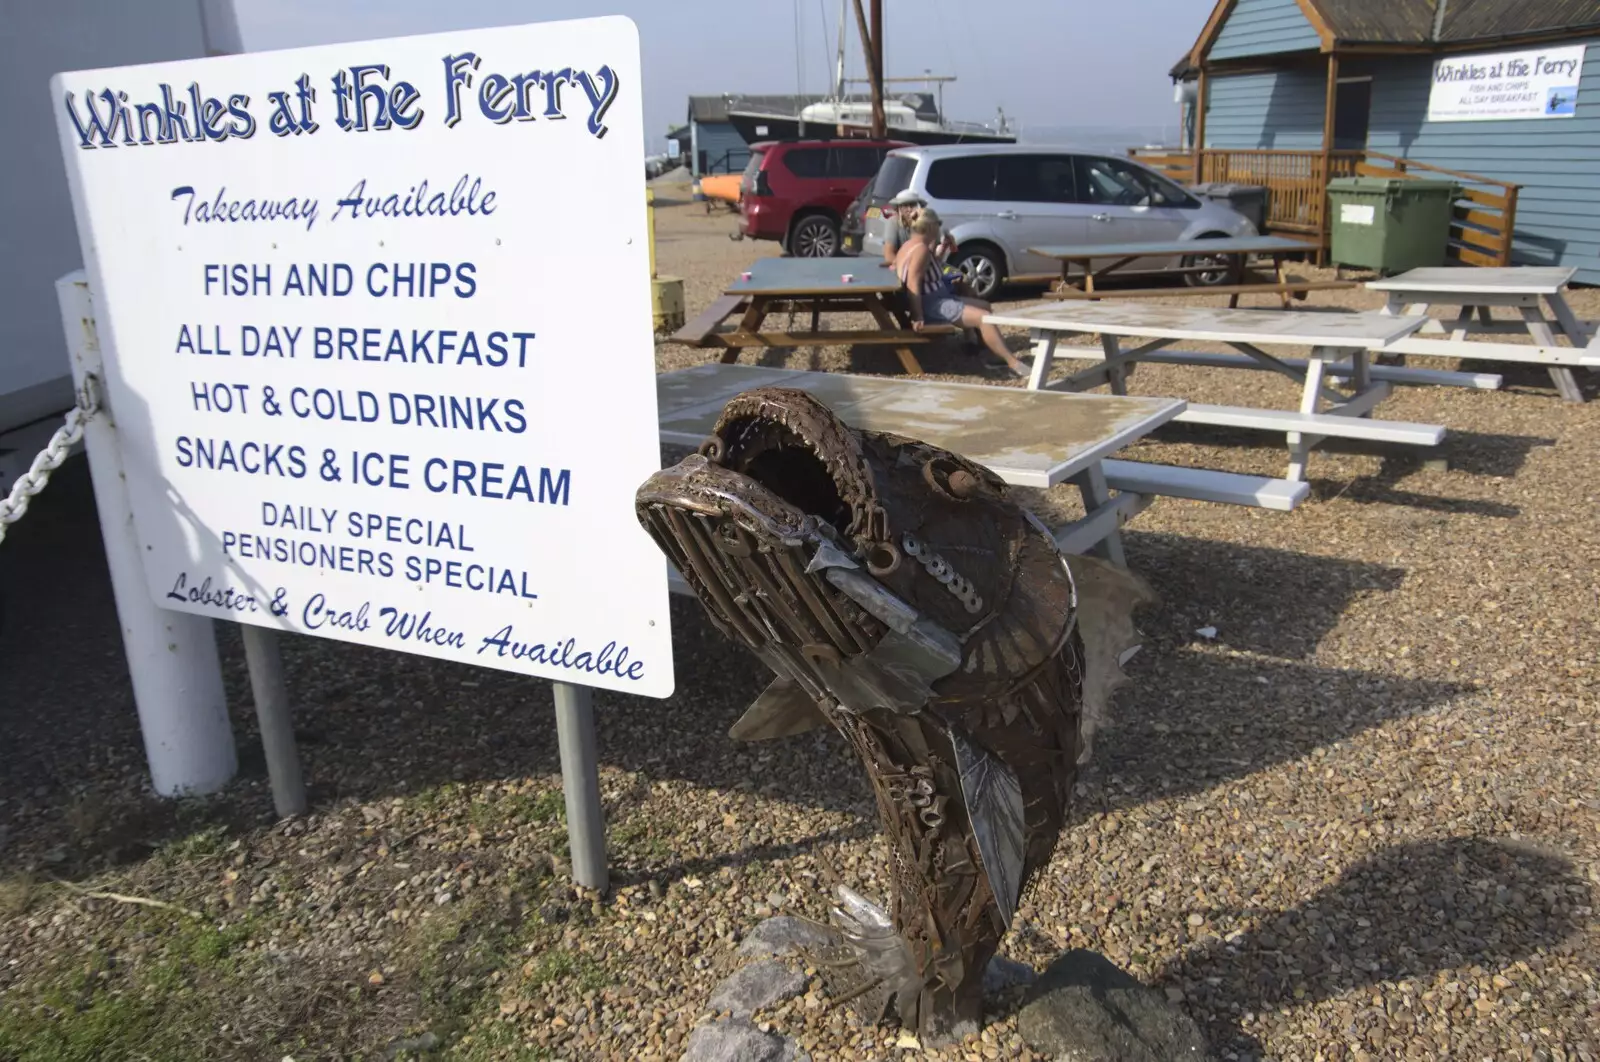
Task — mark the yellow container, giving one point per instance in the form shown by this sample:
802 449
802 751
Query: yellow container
666 299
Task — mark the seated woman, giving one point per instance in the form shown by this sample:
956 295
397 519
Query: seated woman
932 298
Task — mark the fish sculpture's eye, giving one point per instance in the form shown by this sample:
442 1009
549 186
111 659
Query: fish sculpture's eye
949 478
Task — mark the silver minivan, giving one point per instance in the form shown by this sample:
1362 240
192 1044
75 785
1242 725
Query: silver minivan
999 200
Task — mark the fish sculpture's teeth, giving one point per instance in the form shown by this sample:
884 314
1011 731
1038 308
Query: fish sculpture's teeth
900 596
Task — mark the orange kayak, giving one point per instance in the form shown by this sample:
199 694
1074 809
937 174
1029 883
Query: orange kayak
724 186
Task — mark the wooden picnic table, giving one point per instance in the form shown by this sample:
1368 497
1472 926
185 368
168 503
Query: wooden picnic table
812 286
1331 337
1235 249
1027 438
1479 290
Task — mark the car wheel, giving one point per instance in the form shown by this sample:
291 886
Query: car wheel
983 269
814 236
1211 277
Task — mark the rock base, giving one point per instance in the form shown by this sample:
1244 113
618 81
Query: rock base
1085 1009
763 983
766 980
737 1040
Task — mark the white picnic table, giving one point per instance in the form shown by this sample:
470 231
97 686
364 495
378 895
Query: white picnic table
1479 291
1027 438
1340 345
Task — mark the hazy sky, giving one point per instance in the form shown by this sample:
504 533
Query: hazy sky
1060 63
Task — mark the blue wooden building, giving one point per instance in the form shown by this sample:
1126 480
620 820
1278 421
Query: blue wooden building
712 143
1503 95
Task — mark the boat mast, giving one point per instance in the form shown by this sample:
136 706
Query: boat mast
872 44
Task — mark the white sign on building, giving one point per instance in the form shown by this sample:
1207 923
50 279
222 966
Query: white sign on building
1537 83
376 321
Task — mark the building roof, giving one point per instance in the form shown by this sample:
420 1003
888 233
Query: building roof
1471 20
1430 23
716 108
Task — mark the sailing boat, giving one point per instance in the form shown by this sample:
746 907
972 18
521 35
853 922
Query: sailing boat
914 117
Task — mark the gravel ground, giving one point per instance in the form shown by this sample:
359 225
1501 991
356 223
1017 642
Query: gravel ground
1362 821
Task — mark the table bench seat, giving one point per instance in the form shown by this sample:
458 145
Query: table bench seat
1395 374
1204 484
697 331
863 337
1577 357
1296 288
1328 425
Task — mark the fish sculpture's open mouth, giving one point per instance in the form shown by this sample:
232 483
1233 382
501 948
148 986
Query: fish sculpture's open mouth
899 595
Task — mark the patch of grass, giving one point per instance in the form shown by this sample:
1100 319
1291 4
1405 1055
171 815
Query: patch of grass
17 895
201 844
453 951
495 813
435 800
549 806
497 1041
638 836
168 1004
559 964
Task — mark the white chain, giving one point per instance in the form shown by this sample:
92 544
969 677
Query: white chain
51 457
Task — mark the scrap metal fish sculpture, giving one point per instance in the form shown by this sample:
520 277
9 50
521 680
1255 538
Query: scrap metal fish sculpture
901 596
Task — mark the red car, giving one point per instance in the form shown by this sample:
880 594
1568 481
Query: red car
797 191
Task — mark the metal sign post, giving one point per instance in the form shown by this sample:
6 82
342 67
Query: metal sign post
580 783
271 693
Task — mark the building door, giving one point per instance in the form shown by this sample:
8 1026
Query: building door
1352 109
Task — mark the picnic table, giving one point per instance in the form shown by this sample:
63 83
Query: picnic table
811 286
1236 250
1340 346
1027 438
1479 290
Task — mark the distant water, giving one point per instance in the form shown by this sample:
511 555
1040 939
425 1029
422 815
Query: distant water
1108 139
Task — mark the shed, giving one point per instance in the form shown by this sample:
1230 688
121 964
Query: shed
1502 95
714 145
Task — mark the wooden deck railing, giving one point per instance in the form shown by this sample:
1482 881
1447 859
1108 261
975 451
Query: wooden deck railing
1485 213
1297 201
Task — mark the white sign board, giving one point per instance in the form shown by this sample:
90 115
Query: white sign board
1538 83
1357 213
377 328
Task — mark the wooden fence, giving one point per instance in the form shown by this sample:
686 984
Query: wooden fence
1297 200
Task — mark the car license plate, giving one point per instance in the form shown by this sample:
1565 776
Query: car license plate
874 212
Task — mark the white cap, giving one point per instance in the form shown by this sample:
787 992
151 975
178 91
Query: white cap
905 198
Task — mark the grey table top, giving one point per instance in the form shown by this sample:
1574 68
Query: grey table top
1027 438
1365 331
1468 280
811 276
1155 248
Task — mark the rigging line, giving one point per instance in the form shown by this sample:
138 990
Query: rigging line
822 13
799 65
944 37
975 38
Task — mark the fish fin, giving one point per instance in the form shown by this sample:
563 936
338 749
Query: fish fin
1107 596
994 808
782 710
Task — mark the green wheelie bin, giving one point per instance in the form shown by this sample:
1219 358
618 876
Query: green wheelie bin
1390 224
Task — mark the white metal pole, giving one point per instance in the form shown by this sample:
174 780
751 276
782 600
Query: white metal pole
580 781
272 713
172 656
